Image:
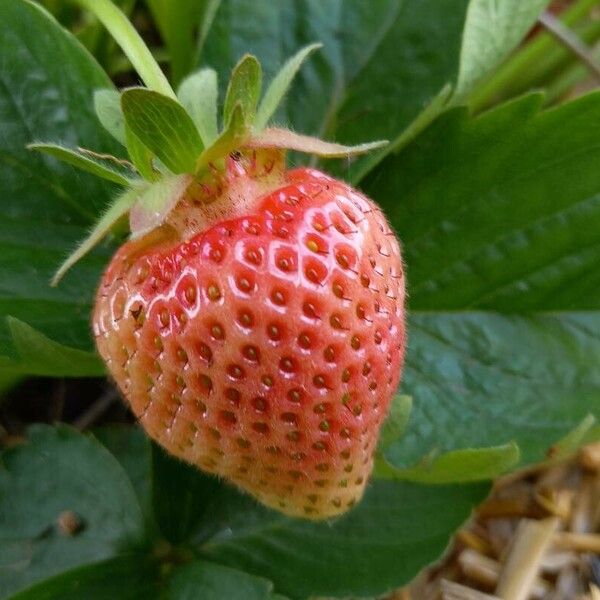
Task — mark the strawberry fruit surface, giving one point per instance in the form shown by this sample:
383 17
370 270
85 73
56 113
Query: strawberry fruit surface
266 348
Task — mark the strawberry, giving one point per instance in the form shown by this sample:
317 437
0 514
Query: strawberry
255 320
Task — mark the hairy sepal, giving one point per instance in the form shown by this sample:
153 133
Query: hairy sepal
85 160
280 84
198 94
154 203
116 211
163 126
107 104
285 139
244 89
232 138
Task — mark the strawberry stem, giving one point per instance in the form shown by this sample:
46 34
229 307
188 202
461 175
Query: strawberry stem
131 43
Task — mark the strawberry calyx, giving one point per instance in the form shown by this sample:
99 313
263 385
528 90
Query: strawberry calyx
184 172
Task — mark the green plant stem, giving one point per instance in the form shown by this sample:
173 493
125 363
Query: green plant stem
131 43
520 67
567 80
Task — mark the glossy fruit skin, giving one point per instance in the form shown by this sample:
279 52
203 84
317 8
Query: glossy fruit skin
267 348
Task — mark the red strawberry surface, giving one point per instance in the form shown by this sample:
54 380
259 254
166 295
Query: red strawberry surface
265 348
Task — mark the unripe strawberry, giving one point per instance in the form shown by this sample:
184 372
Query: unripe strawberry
266 347
255 320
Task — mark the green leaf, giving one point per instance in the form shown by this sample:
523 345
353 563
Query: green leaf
428 115
198 94
122 578
38 355
163 126
116 211
131 43
131 447
82 161
243 90
492 30
47 206
396 421
456 466
107 104
180 496
304 558
280 84
215 582
57 470
221 525
497 220
377 547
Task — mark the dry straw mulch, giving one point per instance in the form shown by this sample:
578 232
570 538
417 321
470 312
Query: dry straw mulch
537 537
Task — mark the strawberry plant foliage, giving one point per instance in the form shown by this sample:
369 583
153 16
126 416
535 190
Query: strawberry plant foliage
196 529
492 210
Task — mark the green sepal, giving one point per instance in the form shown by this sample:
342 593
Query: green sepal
198 94
107 104
82 161
154 203
141 157
164 127
234 136
285 139
118 209
244 89
280 84
456 466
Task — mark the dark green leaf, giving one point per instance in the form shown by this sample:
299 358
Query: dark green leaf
499 214
46 87
164 126
180 495
300 557
38 355
380 545
131 447
121 578
243 90
214 582
60 470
